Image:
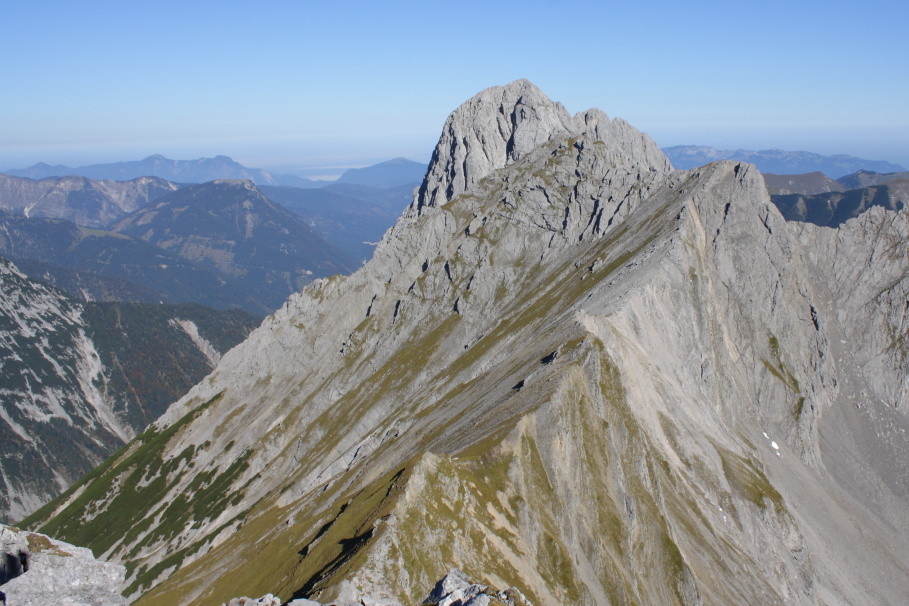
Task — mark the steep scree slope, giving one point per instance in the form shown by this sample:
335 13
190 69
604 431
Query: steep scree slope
78 380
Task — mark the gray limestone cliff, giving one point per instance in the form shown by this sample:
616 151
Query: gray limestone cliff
502 124
568 369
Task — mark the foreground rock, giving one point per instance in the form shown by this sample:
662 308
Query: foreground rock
454 589
45 571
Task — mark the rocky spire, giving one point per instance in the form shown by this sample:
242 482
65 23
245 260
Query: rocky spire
501 124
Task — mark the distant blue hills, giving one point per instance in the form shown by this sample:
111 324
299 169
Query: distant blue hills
777 161
399 172
179 171
385 175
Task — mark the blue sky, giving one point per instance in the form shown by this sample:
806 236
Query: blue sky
284 84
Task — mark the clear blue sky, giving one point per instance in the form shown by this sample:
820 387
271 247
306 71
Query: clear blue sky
280 83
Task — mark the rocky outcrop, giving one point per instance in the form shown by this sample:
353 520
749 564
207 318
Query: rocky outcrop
567 369
54 572
454 589
502 124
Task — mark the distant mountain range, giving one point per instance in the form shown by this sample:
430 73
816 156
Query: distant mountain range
385 175
864 178
832 209
807 183
221 243
181 171
79 199
233 230
777 161
819 183
349 215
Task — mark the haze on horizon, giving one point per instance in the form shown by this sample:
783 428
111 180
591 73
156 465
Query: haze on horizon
331 86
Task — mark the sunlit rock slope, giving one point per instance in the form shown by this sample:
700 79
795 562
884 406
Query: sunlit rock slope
567 369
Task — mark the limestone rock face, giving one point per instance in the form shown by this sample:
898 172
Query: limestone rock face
56 573
567 369
502 124
456 588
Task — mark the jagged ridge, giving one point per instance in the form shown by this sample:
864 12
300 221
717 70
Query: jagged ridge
567 369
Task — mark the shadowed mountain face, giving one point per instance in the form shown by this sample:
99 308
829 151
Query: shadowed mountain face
109 254
835 208
87 286
230 228
568 369
80 379
352 217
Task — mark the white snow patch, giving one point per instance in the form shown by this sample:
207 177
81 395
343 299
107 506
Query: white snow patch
774 445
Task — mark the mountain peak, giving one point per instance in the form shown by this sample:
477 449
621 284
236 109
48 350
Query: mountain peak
489 131
501 124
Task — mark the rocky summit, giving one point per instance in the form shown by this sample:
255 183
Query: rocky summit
36 570
568 369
